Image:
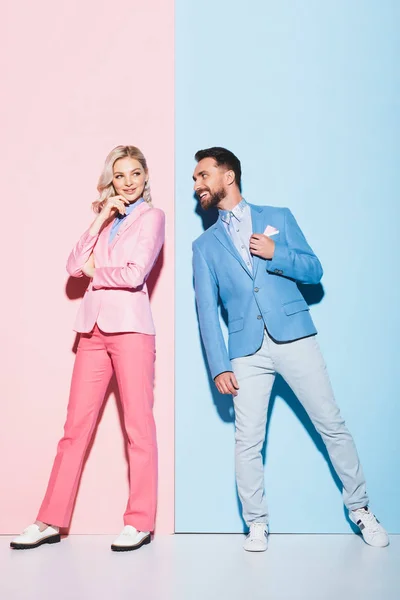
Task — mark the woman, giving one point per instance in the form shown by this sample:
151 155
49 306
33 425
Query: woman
117 253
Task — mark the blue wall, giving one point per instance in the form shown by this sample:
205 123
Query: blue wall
307 95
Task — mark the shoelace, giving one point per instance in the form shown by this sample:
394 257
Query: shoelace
257 531
370 521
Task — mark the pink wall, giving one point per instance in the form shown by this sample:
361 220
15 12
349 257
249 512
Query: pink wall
81 77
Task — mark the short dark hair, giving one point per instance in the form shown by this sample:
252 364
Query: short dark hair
222 157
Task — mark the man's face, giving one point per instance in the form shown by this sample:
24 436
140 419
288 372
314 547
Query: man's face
209 183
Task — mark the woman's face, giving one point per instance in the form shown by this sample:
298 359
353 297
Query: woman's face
129 178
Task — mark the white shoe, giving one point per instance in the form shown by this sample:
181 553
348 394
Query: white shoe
257 539
372 531
32 537
130 539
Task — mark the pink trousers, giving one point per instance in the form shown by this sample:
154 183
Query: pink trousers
131 356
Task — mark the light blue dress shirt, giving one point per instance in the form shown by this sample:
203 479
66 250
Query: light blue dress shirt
120 218
239 226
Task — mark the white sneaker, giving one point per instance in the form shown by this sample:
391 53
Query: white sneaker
130 539
257 539
372 531
32 537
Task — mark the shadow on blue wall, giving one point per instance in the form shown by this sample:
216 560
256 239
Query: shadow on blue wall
313 294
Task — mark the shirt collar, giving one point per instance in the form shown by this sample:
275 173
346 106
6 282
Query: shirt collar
236 212
130 208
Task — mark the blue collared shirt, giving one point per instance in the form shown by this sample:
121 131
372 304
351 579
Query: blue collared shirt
239 227
119 219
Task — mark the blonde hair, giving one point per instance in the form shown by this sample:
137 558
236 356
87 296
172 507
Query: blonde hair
105 186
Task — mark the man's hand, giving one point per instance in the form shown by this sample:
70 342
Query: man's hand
226 383
261 245
89 267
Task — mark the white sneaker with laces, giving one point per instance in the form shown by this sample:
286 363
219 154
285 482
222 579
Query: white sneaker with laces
32 537
257 538
131 539
372 531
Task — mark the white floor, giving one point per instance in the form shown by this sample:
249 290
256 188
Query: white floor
206 567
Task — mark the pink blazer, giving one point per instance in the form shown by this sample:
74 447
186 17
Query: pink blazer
117 298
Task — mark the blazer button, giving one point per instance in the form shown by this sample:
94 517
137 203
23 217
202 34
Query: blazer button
256 289
259 317
276 271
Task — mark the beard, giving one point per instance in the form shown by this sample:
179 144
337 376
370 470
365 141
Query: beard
214 198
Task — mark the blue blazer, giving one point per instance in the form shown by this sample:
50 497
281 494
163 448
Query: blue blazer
268 297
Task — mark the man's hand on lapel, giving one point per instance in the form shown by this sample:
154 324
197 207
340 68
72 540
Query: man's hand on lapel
226 383
262 246
89 267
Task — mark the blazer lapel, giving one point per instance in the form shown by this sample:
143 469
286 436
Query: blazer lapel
128 221
222 235
257 219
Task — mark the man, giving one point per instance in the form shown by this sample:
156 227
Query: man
252 258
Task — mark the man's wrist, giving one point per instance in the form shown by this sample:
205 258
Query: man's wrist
222 372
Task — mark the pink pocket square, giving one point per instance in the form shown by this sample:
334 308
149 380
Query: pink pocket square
269 231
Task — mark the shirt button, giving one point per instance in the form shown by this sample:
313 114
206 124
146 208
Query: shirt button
256 289
259 317
237 230
242 247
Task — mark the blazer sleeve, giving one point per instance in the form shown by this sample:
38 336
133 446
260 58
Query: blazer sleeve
294 258
137 268
80 254
206 291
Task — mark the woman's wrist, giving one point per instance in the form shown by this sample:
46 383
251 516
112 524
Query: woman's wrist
96 225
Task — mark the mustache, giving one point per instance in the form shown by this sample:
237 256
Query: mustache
202 190
215 198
